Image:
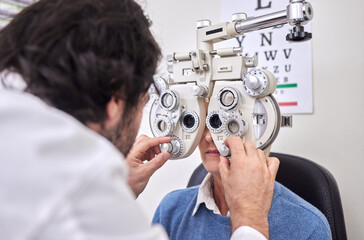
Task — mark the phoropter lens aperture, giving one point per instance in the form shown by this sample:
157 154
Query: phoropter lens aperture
215 121
162 126
189 121
233 127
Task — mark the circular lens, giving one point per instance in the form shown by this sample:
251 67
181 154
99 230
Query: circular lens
189 121
162 126
233 127
215 121
167 100
227 98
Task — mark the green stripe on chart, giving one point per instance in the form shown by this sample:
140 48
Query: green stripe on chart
291 85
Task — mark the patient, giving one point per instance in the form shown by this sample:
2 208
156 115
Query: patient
201 212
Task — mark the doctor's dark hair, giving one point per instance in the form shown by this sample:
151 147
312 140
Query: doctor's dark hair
78 54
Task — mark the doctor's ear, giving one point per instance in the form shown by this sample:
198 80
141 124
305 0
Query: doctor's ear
114 110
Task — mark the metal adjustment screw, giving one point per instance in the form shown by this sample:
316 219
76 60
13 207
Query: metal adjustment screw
307 11
200 91
170 57
170 68
174 115
203 23
238 50
205 67
226 115
239 16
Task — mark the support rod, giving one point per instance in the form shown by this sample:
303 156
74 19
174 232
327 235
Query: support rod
261 22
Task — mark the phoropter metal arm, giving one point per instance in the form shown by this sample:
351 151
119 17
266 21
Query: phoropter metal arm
297 13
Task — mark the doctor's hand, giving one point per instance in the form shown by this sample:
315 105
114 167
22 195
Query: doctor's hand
144 159
248 182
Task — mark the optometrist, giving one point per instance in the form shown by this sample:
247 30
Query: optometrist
86 66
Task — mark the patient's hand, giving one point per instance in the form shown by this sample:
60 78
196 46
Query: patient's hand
145 149
248 183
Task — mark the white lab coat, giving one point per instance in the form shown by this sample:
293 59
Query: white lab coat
60 180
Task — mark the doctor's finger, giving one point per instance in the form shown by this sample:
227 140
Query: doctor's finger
153 151
262 158
224 168
157 149
251 150
146 144
237 149
150 154
157 162
273 166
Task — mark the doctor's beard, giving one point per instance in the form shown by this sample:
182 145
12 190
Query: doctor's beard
123 134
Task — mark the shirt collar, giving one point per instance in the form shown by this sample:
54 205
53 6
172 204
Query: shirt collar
205 195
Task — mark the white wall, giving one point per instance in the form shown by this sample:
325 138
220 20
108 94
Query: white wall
331 136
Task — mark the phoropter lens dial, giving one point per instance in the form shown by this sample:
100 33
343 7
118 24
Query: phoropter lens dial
168 100
235 126
256 82
228 98
189 121
175 147
162 126
213 122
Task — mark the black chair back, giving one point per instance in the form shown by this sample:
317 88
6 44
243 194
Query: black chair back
308 180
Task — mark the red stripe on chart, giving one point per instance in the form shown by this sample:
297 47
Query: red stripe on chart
284 104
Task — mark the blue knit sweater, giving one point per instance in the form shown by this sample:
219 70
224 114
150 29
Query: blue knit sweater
290 218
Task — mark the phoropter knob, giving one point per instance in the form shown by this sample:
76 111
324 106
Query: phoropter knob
166 147
224 150
175 147
252 82
200 91
298 34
